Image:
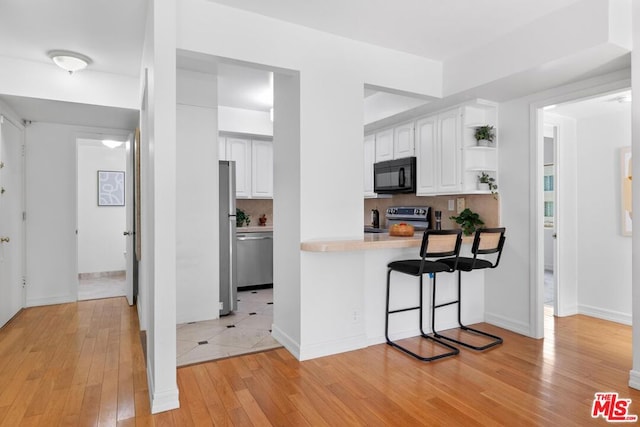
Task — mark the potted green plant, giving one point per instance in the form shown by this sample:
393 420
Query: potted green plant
242 218
484 135
469 221
487 182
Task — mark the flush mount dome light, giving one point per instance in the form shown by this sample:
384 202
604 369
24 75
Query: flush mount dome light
69 61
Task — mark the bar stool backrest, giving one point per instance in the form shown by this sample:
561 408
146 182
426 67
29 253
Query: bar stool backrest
489 241
440 243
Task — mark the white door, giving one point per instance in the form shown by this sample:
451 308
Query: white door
11 220
130 221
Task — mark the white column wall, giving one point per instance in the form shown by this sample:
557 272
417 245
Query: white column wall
158 264
634 375
197 242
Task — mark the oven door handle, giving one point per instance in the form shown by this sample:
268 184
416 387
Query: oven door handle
401 177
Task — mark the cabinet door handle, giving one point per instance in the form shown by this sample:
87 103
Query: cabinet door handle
4 240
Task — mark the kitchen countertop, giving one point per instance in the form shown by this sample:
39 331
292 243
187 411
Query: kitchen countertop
369 241
255 229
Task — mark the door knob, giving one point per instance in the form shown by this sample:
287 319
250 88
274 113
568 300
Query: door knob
555 235
128 233
4 240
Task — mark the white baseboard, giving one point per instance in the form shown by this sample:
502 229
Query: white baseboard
395 335
35 302
161 401
613 316
516 326
634 379
284 339
332 347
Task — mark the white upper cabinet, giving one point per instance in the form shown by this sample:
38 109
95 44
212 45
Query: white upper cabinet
384 145
254 165
239 150
395 143
403 142
426 153
261 169
438 154
449 179
369 160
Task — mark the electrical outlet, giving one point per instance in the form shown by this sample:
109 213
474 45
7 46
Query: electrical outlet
356 316
460 204
220 305
451 205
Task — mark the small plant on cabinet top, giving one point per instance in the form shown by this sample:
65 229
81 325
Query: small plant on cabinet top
242 218
485 178
469 221
485 133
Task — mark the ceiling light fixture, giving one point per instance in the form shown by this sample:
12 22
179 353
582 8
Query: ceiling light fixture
111 143
69 61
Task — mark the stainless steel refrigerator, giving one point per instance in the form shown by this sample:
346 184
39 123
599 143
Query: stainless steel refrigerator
228 244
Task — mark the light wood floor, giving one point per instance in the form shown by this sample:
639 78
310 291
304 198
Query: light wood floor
82 364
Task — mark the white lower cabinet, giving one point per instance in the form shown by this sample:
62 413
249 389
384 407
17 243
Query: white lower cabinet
254 165
438 154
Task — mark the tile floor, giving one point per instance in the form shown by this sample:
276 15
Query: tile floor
101 287
247 330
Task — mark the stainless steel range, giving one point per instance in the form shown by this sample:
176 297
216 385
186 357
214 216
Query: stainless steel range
418 216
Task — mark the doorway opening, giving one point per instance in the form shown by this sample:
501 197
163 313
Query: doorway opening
580 208
101 217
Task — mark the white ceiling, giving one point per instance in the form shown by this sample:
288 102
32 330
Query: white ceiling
611 103
436 29
110 32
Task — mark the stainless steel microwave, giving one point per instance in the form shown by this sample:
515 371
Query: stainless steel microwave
395 176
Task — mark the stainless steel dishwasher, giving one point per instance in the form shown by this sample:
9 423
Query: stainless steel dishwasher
255 258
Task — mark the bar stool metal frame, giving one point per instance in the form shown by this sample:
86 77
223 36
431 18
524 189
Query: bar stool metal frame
482 245
419 267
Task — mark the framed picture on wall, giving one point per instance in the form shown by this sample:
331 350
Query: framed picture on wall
625 179
110 188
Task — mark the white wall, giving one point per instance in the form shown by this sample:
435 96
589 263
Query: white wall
197 242
52 265
244 121
101 244
604 254
333 72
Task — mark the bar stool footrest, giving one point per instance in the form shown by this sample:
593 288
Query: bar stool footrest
452 350
496 340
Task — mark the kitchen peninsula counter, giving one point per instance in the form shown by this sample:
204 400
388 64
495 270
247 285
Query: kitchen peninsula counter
369 241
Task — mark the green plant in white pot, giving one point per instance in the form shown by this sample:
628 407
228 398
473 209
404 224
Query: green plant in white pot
487 183
485 135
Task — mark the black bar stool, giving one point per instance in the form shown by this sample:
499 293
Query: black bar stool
435 244
486 241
